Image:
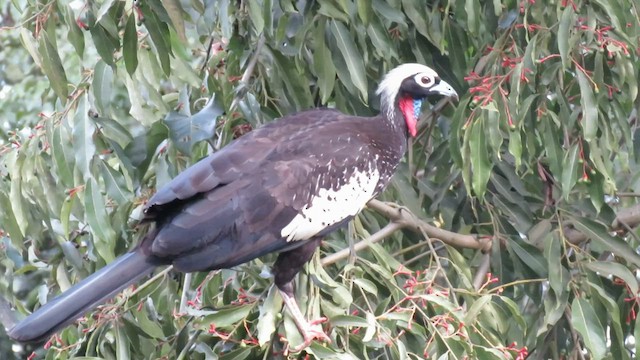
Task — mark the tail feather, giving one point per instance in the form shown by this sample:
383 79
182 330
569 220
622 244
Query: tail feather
82 297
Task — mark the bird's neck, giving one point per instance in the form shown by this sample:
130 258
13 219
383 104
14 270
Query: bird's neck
394 118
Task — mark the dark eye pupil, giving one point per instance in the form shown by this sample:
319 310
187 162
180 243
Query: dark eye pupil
425 80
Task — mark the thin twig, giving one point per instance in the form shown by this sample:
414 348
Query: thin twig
483 270
410 221
185 292
344 253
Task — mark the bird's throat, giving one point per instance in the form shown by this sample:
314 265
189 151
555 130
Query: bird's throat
410 109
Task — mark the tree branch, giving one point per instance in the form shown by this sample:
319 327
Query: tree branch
483 270
402 218
626 219
383 233
411 221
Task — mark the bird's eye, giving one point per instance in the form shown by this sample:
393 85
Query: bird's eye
425 80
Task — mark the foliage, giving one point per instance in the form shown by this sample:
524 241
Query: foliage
538 159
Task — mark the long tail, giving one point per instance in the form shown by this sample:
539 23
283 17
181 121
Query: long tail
82 297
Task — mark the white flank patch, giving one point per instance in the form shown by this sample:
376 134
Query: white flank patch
332 206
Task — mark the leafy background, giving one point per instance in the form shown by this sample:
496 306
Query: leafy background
509 230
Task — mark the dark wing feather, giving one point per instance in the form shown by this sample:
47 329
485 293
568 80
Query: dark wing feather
233 161
235 203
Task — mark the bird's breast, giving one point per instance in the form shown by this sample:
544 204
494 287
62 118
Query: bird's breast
335 199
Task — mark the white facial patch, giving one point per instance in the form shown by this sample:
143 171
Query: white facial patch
332 206
389 87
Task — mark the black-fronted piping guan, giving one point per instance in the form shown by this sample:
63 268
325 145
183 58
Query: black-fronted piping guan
279 188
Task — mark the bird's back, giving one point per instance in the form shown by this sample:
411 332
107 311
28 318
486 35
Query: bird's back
261 193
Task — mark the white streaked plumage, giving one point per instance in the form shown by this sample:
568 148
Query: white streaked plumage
332 206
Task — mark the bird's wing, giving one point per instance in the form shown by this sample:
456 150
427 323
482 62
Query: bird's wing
234 161
297 192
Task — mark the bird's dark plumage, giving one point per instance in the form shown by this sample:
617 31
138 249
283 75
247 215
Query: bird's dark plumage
278 188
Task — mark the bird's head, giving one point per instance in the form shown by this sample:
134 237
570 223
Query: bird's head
405 87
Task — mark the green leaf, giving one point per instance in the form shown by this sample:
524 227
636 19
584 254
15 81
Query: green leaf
83 145
63 164
480 161
570 166
348 321
10 222
352 56
599 233
365 11
142 321
267 319
174 10
115 184
608 268
552 146
474 310
586 323
390 13
52 67
553 253
114 130
76 35
29 43
323 65
186 130
105 44
159 33
102 86
589 107
472 9
255 14
226 317
130 45
530 256
104 237
366 285
566 23
381 41
415 11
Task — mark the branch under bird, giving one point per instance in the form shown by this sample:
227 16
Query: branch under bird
279 188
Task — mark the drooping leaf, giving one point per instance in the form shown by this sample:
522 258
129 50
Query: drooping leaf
589 107
83 145
175 12
186 130
586 323
352 56
480 161
564 26
130 45
570 170
96 216
597 232
52 67
102 86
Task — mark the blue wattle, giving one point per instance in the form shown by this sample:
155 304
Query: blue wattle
417 105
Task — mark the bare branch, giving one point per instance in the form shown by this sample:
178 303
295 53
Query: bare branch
383 233
483 270
626 219
411 221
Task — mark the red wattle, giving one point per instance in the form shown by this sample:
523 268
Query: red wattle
406 107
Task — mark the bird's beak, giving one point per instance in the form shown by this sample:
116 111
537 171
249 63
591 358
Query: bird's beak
444 89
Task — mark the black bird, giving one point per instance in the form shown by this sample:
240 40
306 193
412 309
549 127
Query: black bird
279 188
